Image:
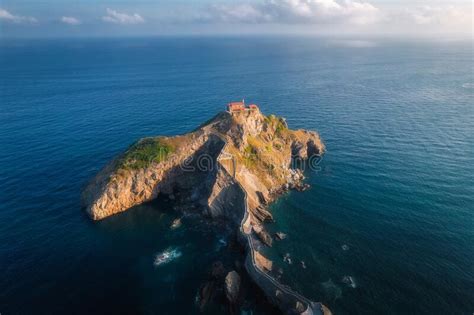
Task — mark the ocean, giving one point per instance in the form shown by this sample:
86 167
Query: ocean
391 204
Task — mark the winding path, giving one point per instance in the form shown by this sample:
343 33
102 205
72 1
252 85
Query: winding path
282 295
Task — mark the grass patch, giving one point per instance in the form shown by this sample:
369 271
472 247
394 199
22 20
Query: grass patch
250 156
145 152
277 123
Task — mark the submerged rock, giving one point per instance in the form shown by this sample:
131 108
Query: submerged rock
218 270
206 294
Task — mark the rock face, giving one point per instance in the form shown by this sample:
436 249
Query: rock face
263 235
121 185
280 235
232 286
262 262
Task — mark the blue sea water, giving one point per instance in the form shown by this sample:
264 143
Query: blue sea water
396 184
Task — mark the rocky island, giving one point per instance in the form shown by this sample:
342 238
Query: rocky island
228 169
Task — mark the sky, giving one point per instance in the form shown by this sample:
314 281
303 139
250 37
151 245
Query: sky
92 18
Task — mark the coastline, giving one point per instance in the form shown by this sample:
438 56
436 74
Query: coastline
280 295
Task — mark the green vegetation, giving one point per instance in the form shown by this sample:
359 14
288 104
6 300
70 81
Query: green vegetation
278 123
250 156
145 152
256 154
270 118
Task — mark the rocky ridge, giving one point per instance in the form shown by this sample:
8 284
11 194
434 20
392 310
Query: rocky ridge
261 146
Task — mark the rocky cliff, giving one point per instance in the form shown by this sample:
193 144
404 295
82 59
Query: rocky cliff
260 151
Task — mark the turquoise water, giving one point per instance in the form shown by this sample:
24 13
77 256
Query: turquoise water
396 185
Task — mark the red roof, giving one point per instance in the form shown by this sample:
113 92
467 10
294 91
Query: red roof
240 106
236 104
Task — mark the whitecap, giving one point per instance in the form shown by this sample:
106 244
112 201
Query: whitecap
468 85
287 259
331 289
221 243
176 224
349 280
166 256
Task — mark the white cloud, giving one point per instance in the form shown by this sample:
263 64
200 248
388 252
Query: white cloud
70 20
122 18
234 13
346 16
442 16
238 13
301 12
7 16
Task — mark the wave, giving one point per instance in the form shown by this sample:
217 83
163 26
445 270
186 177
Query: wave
221 243
176 224
332 291
349 281
167 256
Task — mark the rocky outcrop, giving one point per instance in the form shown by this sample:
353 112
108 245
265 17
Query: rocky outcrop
262 262
209 291
280 236
263 235
232 286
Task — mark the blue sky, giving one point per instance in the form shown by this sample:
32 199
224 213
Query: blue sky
62 18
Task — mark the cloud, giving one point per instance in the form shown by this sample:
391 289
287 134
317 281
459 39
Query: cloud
442 16
122 18
344 16
238 13
70 20
7 16
300 12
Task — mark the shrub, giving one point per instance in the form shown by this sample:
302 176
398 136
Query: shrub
145 152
